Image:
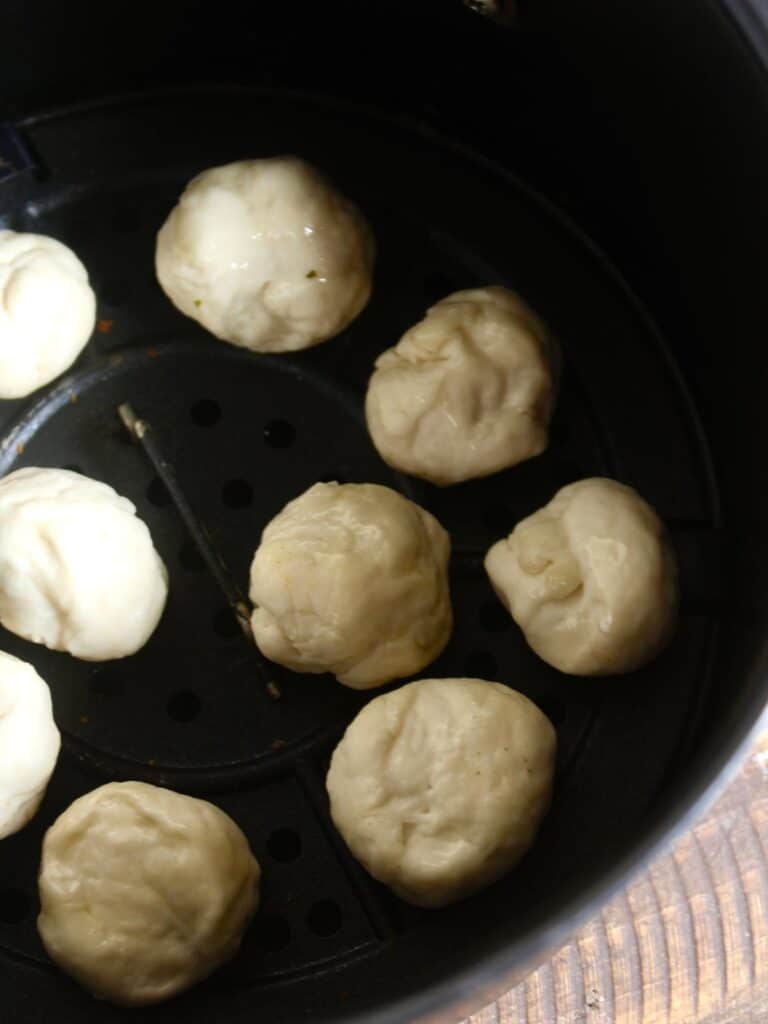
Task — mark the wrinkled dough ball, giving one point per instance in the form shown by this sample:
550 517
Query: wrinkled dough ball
47 311
78 571
29 743
440 787
466 392
266 254
590 579
352 579
144 892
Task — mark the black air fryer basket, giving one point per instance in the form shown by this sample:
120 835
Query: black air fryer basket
518 151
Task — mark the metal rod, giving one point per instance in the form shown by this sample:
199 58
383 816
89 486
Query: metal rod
141 430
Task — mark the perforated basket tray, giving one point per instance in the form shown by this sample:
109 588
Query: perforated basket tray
246 434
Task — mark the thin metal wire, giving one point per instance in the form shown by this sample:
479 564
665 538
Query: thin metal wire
141 431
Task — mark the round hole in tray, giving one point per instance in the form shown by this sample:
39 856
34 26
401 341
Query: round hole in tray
324 918
284 845
184 706
237 494
205 412
15 906
279 434
157 493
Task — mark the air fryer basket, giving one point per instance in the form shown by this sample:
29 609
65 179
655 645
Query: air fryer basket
248 433
245 434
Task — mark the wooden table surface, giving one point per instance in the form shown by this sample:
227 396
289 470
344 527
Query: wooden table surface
685 943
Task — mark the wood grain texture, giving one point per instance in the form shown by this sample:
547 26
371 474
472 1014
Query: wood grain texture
685 943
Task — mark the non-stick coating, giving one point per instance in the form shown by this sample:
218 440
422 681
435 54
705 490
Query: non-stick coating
246 433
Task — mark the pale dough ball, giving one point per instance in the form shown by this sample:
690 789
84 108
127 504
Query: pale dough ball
29 743
439 788
352 579
266 254
78 571
590 579
467 391
144 892
47 311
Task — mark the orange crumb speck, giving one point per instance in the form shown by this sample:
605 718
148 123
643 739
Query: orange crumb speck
105 326
19 449
151 352
84 719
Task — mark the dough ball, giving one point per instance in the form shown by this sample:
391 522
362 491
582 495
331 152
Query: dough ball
266 254
466 392
29 743
78 571
439 788
352 579
590 579
144 892
47 311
